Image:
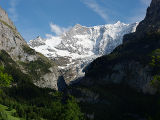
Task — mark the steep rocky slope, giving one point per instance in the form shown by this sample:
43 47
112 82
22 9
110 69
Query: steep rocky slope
75 49
43 72
26 77
129 62
150 24
124 85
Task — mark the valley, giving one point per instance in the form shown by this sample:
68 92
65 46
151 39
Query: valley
104 72
78 47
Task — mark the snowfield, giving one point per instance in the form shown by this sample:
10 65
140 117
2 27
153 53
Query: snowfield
81 45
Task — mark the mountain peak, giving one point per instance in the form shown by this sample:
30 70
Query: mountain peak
77 47
5 19
151 21
39 37
86 41
77 26
118 22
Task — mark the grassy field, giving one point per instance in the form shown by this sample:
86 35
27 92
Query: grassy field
6 114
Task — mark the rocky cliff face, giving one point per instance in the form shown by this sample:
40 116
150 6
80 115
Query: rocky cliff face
27 59
150 24
4 17
75 49
114 84
129 63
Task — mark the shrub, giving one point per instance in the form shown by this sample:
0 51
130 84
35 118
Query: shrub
156 81
3 115
5 79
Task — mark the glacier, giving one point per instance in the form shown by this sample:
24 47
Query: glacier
79 46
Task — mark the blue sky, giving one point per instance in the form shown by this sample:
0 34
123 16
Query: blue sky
40 17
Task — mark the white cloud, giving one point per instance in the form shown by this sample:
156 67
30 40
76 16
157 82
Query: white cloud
96 8
12 9
138 14
146 2
57 29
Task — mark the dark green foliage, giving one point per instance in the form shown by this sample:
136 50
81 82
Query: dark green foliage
32 102
115 102
155 61
42 105
13 69
28 50
71 110
3 115
4 57
37 68
5 79
119 101
156 82
155 68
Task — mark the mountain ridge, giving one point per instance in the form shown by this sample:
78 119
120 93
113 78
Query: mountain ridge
76 48
124 85
26 59
129 62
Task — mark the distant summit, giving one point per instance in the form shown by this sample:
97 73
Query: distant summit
81 41
130 62
77 47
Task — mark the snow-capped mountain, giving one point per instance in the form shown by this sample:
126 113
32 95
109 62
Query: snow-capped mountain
76 48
